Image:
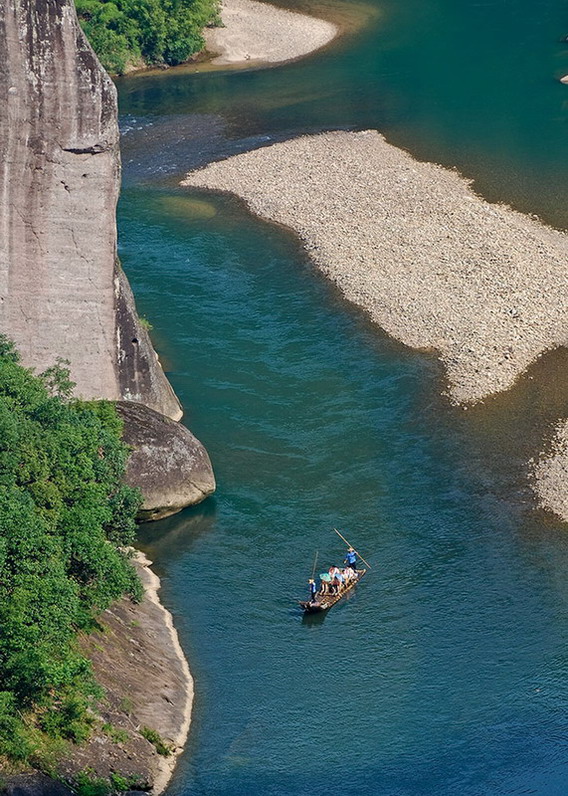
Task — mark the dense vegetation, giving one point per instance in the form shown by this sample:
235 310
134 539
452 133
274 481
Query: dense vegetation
130 32
65 517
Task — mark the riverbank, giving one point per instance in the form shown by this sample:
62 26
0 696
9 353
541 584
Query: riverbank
433 264
143 718
256 32
138 661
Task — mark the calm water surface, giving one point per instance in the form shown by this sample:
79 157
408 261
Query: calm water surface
446 673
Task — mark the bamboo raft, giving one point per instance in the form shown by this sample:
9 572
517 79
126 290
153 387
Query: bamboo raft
324 602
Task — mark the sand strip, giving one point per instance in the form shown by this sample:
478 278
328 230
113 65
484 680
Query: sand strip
184 699
435 266
256 32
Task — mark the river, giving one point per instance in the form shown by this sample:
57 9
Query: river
446 672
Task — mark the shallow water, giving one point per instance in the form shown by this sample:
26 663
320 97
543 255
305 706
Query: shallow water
446 672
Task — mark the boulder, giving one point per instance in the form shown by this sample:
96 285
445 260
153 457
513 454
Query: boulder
167 463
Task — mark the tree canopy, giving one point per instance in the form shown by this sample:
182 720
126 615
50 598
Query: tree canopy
129 32
66 519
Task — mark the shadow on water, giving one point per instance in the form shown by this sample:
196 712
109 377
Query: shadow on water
176 535
314 620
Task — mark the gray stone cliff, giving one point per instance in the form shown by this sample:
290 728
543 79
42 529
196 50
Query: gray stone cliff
62 292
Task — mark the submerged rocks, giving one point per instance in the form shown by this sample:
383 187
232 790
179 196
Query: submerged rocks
168 464
550 474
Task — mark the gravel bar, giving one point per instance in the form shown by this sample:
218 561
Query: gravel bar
262 33
551 474
434 265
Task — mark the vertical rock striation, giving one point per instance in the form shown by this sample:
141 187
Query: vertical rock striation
62 292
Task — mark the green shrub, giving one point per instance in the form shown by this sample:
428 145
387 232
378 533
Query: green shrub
122 783
122 32
65 518
116 734
13 741
87 784
162 748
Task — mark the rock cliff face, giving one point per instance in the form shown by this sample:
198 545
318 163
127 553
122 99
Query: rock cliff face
62 293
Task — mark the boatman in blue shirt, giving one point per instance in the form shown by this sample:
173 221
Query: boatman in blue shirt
313 590
351 559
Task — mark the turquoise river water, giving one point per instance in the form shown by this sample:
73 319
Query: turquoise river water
447 672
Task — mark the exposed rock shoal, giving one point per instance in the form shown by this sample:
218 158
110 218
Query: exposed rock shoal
551 474
435 266
260 32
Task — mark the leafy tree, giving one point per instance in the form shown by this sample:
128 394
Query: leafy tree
125 32
66 519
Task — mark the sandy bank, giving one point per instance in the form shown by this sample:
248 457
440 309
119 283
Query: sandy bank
263 33
175 720
433 264
138 661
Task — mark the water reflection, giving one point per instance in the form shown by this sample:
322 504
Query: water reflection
173 537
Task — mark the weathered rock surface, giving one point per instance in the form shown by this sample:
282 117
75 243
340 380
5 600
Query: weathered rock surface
138 661
33 783
168 464
61 291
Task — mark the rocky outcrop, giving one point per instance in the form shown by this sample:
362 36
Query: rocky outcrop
62 293
33 783
138 661
140 376
169 465
147 685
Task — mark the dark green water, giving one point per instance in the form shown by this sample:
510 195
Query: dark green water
447 672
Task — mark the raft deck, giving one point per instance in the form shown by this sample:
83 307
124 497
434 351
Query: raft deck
324 602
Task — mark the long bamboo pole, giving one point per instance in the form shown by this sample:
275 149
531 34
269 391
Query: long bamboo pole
315 562
350 545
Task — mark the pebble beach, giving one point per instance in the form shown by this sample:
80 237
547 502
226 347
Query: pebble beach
433 264
256 32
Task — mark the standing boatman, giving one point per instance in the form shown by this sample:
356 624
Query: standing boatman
351 559
313 590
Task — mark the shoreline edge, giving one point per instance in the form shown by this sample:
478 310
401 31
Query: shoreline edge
152 585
